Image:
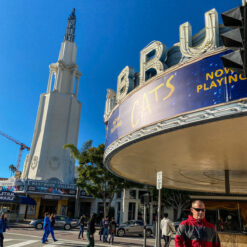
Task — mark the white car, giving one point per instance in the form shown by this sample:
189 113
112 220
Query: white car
134 227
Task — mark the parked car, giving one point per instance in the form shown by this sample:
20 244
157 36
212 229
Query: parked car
61 222
134 227
177 223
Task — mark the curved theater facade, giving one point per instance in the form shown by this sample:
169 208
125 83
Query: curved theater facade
183 114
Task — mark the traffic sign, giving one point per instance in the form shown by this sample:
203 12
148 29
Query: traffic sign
159 180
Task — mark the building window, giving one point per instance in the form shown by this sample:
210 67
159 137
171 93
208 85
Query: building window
85 208
132 194
141 193
118 212
119 194
132 211
140 215
100 209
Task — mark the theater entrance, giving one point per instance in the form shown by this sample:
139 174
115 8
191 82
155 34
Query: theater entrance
47 206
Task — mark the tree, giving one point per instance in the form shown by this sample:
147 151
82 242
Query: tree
93 175
176 199
13 169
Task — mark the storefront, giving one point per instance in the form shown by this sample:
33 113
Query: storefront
49 197
16 206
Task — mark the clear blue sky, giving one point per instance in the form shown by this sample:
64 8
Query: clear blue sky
109 35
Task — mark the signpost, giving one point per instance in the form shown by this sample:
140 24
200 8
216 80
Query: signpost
159 187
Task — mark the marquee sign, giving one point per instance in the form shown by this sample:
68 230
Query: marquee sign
201 84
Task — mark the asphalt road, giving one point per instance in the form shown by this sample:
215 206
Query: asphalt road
30 237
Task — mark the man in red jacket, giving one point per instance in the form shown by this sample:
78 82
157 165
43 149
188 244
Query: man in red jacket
196 231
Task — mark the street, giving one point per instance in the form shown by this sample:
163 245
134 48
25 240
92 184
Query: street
31 237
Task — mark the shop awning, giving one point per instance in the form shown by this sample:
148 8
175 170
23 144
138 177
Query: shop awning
11 197
27 200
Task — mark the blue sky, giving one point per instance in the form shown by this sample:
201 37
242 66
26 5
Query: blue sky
109 35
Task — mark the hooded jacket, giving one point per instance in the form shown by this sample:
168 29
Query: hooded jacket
196 233
167 227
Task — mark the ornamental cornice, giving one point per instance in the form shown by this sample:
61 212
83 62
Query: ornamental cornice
62 65
218 112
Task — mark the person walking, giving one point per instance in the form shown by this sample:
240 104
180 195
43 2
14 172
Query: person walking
167 228
91 230
82 223
3 226
46 227
106 230
196 231
112 230
53 221
101 229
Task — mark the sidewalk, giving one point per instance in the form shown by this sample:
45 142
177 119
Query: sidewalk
24 224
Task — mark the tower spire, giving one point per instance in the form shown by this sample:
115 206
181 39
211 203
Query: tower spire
70 29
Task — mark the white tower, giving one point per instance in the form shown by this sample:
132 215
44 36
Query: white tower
58 118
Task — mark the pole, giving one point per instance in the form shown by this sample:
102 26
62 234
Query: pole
77 203
145 225
239 217
158 220
227 182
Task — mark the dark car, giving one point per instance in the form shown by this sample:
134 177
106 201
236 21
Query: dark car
134 227
177 223
61 222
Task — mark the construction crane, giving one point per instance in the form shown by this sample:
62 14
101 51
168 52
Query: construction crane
22 147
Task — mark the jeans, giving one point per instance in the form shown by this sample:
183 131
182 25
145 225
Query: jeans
81 231
167 240
101 232
105 234
90 240
1 239
111 238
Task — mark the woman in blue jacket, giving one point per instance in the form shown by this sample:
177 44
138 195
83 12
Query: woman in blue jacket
3 226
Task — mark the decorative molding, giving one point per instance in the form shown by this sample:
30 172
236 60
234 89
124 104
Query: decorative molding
109 104
34 162
54 163
209 114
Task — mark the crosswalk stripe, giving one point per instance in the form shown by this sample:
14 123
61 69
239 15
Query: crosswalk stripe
7 240
24 243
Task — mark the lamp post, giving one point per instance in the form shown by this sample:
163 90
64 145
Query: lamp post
145 201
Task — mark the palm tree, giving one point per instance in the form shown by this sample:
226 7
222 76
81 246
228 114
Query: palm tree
13 169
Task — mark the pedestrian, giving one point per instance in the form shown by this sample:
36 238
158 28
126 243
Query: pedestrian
112 230
106 230
53 221
196 231
82 223
101 228
167 228
91 230
46 227
3 226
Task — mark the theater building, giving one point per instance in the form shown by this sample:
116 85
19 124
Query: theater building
49 172
183 113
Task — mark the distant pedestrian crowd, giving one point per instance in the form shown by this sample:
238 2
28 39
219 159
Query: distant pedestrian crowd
107 229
